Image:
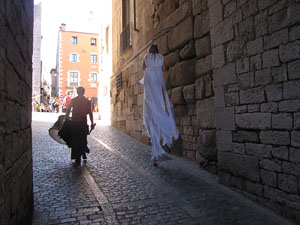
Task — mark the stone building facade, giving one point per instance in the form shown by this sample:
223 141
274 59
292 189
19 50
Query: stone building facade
232 73
16 189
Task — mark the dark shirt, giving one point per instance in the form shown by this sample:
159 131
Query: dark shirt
81 107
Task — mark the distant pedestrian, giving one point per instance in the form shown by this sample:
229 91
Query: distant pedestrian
158 116
80 108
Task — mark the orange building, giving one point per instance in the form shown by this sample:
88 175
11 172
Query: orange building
78 63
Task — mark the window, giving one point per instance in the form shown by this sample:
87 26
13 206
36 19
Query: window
73 79
93 41
74 40
125 36
93 58
74 58
93 77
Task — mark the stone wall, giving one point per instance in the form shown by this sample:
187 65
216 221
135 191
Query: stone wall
255 57
232 73
16 194
181 30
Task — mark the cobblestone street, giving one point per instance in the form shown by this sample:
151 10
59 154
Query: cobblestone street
119 185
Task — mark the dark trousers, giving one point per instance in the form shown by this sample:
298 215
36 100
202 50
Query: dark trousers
79 139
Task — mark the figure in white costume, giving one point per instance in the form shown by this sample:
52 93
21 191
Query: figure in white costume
158 116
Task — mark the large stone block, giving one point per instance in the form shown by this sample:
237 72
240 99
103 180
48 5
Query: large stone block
218 57
246 81
242 65
166 8
281 152
162 43
294 70
225 75
203 47
268 178
291 90
263 77
296 121
232 99
201 26
199 6
254 95
240 165
291 168
282 121
216 13
188 51
295 138
171 59
295 33
260 121
177 96
289 106
203 66
206 113
271 165
245 136
295 155
290 52
276 39
222 32
255 47
275 137
270 58
200 88
224 140
228 123
189 93
183 73
274 92
207 144
258 150
181 35
288 183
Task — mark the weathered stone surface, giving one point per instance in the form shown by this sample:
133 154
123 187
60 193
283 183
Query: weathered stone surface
295 155
291 90
188 51
203 47
271 165
294 70
281 152
218 57
171 59
175 37
199 6
269 107
270 58
177 96
166 8
279 74
200 88
274 92
295 33
296 121
219 97
295 138
232 99
182 73
245 136
162 43
180 110
253 108
229 9
291 168
242 65
290 52
225 75
206 113
263 77
189 93
260 121
288 183
254 95
256 63
208 86
224 140
258 150
276 39
282 121
203 66
222 123
201 26
275 137
246 81
217 13
222 32
289 106
255 47
268 177
238 148
240 165
207 144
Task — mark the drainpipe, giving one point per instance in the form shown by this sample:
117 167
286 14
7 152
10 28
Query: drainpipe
134 14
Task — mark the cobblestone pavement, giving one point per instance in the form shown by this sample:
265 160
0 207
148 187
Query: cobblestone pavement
119 185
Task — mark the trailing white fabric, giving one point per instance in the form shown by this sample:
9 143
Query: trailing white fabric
158 115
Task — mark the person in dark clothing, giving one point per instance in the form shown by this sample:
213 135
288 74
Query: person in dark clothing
80 108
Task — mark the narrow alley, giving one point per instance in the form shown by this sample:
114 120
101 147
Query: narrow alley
119 185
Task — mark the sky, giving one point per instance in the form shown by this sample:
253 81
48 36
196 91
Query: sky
78 15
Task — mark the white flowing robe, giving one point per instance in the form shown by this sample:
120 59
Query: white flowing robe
158 115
